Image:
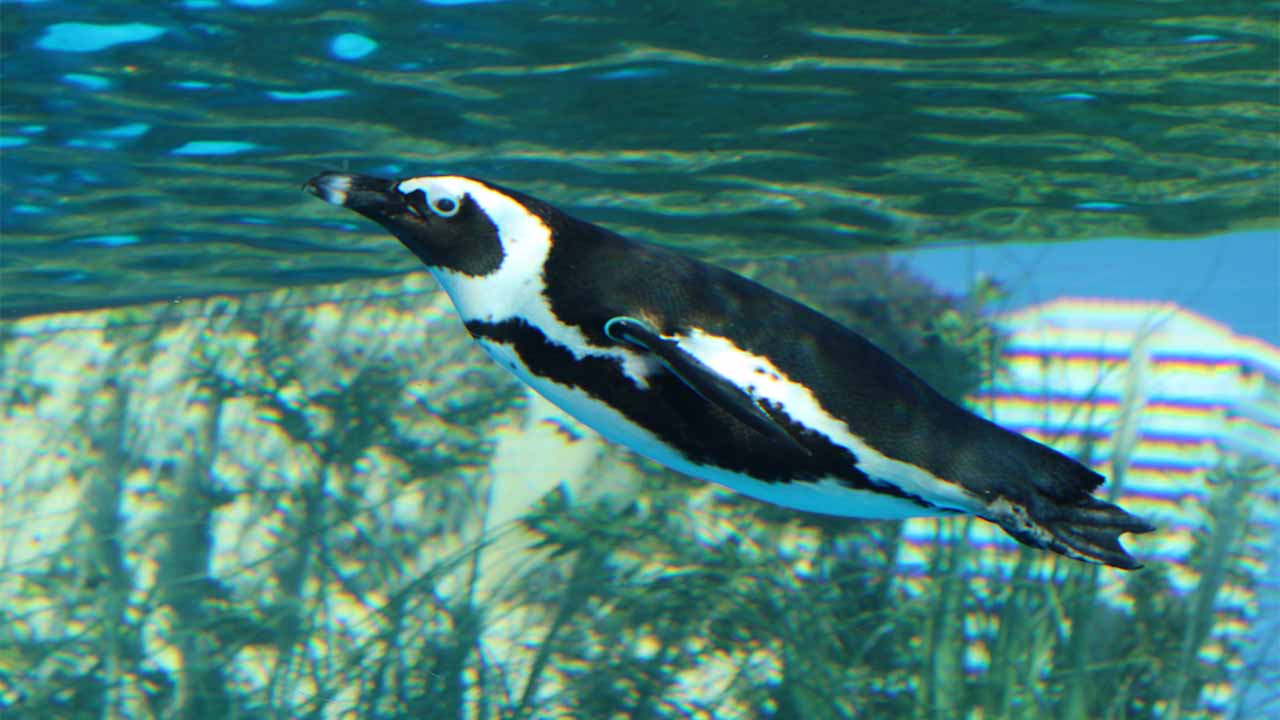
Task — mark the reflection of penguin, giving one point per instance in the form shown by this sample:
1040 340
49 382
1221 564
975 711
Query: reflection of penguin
720 378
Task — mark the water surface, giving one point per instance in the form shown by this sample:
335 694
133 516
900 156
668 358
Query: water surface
154 151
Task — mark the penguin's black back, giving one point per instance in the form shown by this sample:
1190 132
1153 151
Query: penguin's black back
593 274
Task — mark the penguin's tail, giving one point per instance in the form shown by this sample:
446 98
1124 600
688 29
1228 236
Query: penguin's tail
1087 529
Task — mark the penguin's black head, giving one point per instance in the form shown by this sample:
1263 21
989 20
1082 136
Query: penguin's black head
449 222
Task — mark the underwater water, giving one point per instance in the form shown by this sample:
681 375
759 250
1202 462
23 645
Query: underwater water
252 466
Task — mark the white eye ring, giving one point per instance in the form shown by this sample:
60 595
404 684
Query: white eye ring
427 196
446 206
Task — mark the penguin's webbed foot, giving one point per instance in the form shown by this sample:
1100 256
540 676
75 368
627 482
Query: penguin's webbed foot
1087 530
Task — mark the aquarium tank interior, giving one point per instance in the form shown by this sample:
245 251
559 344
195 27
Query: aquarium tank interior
253 466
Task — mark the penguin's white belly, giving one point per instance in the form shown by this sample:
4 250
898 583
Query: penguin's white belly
826 496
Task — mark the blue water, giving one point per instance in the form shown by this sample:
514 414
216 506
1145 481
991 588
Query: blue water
251 466
729 129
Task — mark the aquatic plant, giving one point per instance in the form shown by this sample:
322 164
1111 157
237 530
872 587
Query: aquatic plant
296 505
244 470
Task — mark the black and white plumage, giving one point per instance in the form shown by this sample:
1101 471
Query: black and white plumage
721 378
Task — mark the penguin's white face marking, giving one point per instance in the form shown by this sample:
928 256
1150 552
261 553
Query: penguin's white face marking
767 383
525 240
441 196
515 291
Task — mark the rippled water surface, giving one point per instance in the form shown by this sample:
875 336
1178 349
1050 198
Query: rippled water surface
156 150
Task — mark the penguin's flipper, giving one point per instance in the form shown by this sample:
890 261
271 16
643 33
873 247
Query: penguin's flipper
711 385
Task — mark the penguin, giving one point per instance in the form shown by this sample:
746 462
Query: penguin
718 377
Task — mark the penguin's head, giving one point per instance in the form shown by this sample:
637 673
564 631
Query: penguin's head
450 222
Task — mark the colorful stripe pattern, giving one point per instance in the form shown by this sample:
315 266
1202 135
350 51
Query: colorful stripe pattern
1159 400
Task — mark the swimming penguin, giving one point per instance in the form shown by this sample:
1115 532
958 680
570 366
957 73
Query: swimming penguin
718 377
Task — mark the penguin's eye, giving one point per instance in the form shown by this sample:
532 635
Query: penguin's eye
445 206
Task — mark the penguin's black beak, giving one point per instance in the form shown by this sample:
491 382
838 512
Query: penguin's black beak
375 198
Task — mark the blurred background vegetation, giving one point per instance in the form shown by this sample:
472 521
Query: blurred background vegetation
325 503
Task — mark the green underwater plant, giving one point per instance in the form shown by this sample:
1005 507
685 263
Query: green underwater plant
282 505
